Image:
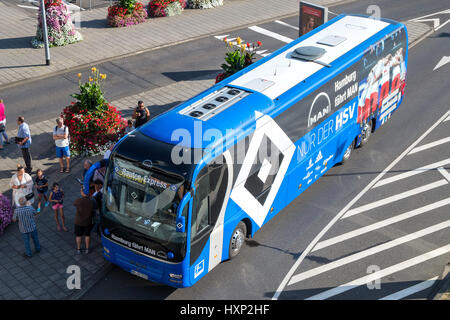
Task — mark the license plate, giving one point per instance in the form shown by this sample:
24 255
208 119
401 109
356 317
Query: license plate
141 275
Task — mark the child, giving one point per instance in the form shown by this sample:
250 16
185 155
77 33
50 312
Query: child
42 188
57 197
129 127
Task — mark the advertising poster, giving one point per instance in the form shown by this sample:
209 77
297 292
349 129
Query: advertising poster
311 16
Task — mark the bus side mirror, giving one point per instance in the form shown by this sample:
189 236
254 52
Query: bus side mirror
180 222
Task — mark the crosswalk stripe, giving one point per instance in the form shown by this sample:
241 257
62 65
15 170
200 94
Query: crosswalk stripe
394 198
448 119
444 173
412 173
271 34
411 290
287 25
380 274
430 145
368 252
381 224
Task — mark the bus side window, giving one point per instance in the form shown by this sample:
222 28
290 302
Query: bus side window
200 208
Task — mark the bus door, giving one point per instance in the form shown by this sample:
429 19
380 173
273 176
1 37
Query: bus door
207 217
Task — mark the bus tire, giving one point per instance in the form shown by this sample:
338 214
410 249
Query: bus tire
237 239
347 153
366 133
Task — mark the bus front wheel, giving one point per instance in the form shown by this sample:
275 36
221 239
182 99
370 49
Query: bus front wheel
237 239
347 153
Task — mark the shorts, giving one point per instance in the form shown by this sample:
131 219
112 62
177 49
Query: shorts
42 191
83 231
57 206
63 152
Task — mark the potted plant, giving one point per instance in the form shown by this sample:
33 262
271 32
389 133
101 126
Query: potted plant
126 13
204 4
237 59
6 213
61 30
93 123
165 8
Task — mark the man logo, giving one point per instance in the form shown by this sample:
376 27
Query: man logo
242 193
320 108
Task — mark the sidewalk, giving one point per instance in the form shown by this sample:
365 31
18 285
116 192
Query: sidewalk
19 61
44 276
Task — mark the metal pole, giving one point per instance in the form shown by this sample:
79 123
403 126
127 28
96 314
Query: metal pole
44 27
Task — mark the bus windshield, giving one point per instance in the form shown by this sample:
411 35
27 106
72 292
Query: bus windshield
144 200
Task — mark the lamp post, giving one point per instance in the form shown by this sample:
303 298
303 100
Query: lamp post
44 27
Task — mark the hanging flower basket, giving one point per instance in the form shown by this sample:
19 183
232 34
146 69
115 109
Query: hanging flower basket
165 8
93 123
126 13
204 4
61 30
6 213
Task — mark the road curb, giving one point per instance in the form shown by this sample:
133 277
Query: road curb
130 54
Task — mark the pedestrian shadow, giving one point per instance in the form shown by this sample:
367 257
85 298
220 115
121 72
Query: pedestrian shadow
95 24
15 43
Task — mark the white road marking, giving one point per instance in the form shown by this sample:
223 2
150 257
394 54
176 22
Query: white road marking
430 145
444 60
408 174
381 224
365 253
444 173
448 119
380 274
411 290
394 198
349 205
287 25
271 34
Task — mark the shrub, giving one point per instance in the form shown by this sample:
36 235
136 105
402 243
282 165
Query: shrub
237 59
126 13
93 123
164 8
61 30
204 4
6 213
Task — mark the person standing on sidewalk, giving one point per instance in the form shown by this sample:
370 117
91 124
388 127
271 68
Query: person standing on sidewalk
3 136
42 188
23 141
83 221
21 184
27 226
57 198
141 114
61 137
98 197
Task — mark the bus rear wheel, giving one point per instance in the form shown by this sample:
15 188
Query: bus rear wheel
347 153
366 133
237 239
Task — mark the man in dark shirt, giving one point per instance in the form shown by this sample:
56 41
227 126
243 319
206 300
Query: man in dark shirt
83 221
141 114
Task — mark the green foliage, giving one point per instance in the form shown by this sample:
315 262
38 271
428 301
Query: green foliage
235 61
91 94
127 4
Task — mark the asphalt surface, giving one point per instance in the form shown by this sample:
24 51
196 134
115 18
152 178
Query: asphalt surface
266 259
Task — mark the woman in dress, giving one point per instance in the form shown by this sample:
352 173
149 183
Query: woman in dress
22 186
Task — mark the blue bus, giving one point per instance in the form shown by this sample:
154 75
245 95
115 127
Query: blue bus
184 191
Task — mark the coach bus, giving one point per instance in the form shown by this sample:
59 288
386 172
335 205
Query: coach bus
184 191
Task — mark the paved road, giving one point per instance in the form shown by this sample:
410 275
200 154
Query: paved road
266 260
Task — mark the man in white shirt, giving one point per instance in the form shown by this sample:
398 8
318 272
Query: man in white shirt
61 137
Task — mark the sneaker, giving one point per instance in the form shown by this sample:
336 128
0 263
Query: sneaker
46 204
38 210
39 250
87 251
26 256
78 251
